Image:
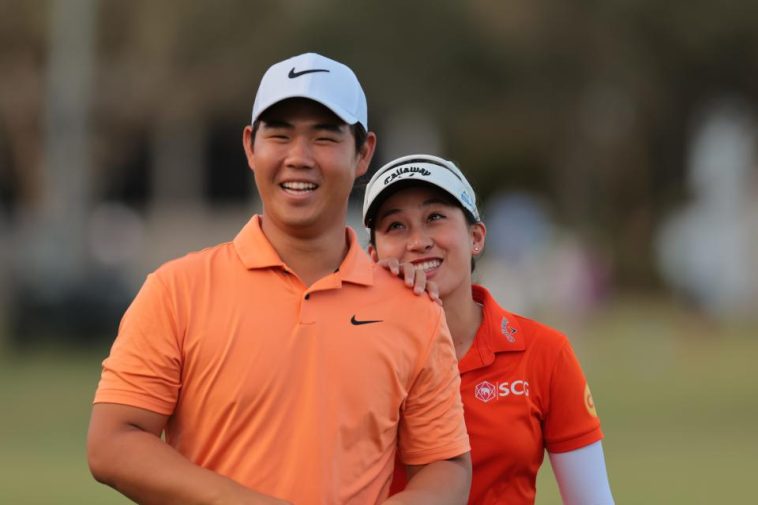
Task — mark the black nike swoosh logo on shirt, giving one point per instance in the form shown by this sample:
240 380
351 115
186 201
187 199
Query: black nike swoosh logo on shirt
294 74
367 321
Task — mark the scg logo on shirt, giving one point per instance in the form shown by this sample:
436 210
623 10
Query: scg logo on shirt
487 391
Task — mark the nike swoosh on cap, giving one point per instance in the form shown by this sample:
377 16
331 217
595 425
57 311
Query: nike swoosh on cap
294 73
367 321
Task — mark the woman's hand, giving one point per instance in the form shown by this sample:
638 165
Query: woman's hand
413 277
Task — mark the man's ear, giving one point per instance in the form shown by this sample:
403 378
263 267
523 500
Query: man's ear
365 154
247 145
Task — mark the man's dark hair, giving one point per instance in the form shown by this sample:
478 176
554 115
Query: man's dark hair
359 133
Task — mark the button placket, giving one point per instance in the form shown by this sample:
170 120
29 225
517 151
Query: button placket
308 308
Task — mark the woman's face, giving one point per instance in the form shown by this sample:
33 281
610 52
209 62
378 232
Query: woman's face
423 226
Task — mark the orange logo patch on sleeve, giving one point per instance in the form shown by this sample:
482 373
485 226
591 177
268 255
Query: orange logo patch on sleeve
588 401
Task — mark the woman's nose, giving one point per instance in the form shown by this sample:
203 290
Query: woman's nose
420 242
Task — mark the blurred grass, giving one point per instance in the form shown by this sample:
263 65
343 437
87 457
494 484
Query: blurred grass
676 394
46 400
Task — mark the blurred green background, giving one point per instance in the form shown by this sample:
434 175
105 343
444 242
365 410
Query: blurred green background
613 146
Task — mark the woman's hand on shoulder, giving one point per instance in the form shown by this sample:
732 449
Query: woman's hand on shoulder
413 277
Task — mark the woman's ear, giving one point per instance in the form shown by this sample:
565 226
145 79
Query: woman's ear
478 234
372 253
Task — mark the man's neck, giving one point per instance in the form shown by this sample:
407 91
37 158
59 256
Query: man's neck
310 256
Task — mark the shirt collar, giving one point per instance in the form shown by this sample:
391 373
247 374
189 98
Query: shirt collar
500 331
256 252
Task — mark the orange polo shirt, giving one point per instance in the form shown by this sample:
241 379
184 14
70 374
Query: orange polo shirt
523 392
302 393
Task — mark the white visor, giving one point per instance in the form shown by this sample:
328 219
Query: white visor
422 168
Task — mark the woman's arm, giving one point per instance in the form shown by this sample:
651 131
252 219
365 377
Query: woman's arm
581 475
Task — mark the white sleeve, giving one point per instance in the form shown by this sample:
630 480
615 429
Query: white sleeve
581 475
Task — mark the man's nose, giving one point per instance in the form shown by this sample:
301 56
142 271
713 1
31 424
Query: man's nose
300 153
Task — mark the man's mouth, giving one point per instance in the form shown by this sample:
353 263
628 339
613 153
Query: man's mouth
298 186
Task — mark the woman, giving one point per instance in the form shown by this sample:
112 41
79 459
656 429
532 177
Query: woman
522 387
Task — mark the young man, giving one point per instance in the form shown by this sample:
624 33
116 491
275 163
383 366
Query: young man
284 367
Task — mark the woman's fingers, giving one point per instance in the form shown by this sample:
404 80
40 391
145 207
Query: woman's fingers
434 291
414 278
391 264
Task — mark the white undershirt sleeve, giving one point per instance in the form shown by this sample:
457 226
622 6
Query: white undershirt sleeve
581 475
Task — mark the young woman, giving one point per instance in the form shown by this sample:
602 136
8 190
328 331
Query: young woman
522 387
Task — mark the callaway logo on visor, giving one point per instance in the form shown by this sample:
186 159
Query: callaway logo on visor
406 170
294 73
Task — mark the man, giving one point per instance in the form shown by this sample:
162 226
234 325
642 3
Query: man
284 367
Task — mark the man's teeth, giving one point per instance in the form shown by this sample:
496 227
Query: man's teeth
299 186
428 265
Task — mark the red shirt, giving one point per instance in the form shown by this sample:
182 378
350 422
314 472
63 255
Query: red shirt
523 392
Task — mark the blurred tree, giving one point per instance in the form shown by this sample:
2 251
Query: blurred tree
589 102
22 60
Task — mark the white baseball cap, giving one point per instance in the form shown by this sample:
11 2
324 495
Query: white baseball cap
418 168
317 78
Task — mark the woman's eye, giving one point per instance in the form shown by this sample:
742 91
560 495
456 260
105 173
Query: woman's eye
394 226
435 216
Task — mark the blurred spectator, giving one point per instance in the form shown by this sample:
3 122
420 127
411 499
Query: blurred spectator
534 265
707 249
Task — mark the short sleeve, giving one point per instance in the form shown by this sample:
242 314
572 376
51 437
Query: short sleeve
432 426
144 366
571 421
